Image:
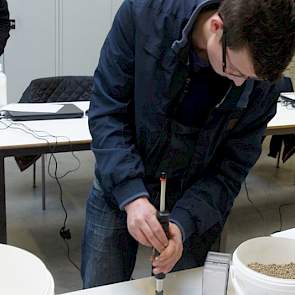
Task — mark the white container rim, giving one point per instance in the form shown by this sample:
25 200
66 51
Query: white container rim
236 262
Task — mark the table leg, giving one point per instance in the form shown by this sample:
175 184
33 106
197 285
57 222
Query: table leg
279 157
34 175
3 233
43 182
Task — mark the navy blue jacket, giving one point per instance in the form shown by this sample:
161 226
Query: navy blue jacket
141 73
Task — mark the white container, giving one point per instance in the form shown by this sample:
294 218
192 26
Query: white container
3 87
23 273
265 250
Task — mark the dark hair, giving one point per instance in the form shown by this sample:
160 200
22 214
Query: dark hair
266 28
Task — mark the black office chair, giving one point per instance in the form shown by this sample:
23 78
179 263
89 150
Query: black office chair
276 143
52 89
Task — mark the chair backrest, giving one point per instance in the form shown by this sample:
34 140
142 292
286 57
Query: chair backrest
54 89
288 85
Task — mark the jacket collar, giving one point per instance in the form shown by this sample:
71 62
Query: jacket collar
181 48
183 42
244 98
231 102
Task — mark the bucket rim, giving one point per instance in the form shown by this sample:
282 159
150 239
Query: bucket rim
236 262
46 276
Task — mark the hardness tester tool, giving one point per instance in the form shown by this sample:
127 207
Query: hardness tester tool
163 217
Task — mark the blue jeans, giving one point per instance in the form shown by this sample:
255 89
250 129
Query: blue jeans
109 251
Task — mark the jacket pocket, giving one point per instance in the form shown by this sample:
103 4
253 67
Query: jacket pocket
173 150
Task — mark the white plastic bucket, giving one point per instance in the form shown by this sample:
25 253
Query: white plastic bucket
264 250
23 273
50 289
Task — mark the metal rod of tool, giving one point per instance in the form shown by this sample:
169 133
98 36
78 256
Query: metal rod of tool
163 217
163 179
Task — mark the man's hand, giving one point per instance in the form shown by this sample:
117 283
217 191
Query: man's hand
169 257
143 224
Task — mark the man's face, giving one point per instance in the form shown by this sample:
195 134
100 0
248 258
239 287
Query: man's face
235 65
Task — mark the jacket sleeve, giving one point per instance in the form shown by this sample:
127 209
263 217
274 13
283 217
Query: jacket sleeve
208 201
4 25
119 168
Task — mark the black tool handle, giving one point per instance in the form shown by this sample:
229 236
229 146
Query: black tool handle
163 218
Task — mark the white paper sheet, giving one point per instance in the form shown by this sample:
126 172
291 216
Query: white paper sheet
32 107
290 95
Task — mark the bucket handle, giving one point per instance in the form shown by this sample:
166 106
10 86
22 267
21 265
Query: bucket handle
235 283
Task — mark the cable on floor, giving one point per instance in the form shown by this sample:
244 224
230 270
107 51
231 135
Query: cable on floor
280 214
252 203
64 232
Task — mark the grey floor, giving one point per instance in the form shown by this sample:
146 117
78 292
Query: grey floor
37 231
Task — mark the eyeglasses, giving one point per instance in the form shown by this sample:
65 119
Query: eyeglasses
224 46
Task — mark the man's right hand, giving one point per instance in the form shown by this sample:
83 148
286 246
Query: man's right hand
144 226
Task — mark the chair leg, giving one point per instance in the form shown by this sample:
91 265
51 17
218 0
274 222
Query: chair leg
43 181
34 175
279 157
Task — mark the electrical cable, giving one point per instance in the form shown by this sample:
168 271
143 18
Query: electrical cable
280 214
279 209
69 171
252 203
64 232
69 256
260 213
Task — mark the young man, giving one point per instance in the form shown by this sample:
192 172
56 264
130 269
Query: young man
186 87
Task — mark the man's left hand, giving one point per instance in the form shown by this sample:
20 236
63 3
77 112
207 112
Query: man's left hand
173 252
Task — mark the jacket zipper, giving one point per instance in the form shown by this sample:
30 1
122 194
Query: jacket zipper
183 180
225 96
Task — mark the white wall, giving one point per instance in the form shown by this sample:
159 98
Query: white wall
55 38
30 51
82 34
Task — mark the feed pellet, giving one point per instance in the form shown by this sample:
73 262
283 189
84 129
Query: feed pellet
283 271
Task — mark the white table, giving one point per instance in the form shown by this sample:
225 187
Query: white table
75 130
187 282
283 122
15 142
61 135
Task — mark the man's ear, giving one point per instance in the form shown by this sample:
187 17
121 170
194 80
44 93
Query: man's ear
216 23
